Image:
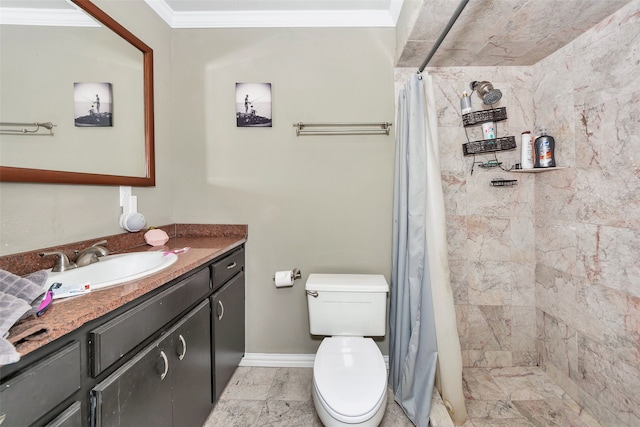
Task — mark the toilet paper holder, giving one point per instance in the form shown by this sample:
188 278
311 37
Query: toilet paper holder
295 274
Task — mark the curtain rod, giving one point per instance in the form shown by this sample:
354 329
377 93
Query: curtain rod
444 33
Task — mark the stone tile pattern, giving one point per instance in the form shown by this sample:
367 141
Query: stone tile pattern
258 396
491 230
548 272
500 32
519 397
510 397
587 219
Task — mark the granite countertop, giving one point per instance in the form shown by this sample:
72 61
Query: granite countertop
68 314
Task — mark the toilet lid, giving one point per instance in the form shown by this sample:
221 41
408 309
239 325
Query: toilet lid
350 375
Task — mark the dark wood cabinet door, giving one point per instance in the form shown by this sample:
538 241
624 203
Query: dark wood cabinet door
191 364
228 330
139 392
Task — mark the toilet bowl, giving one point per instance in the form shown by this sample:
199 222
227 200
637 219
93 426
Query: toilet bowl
349 372
349 382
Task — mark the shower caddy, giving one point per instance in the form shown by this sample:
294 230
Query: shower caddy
487 145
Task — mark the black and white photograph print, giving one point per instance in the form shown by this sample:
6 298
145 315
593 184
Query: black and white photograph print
93 104
253 104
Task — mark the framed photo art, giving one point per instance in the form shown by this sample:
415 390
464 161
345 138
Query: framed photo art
93 104
253 105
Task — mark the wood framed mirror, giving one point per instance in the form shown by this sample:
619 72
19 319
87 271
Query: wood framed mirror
144 174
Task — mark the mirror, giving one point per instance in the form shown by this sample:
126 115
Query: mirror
118 153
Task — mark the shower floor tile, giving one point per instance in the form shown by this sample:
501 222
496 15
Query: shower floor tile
519 397
526 383
555 412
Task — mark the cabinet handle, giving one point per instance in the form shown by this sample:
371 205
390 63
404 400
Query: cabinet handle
166 365
232 265
222 308
184 347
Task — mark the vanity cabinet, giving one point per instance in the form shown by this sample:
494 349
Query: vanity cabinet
41 388
160 360
71 417
227 318
112 340
165 384
192 372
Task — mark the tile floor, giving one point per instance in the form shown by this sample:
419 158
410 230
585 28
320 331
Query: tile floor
519 397
277 397
513 397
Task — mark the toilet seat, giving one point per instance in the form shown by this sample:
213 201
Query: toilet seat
350 378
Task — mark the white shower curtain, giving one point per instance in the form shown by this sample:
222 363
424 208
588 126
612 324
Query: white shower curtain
423 334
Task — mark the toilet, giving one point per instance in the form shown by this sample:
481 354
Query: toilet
349 372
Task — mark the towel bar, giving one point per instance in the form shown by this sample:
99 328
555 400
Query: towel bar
379 128
24 130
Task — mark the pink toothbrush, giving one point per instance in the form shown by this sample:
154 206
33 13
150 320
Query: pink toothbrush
177 251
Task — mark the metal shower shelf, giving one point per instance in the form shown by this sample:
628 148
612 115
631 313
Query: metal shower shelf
484 116
489 145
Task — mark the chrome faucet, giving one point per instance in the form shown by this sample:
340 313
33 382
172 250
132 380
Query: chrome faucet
62 264
91 254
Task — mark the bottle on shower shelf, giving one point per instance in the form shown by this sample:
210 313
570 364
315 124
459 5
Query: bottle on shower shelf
544 150
526 153
465 103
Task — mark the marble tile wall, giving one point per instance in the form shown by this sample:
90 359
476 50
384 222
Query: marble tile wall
587 219
548 272
491 230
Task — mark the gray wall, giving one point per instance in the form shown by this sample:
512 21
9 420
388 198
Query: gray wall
320 203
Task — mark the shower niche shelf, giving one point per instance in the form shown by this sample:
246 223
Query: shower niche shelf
539 170
487 145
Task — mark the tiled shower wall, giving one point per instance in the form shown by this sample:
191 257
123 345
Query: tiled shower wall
588 219
491 230
548 271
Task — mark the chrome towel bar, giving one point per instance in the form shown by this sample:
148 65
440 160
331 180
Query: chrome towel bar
26 128
379 128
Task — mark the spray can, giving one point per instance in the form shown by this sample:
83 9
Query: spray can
465 103
544 150
526 151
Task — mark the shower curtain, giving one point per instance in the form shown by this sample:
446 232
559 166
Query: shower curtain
423 334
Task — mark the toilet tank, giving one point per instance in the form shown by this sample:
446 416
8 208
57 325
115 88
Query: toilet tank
347 304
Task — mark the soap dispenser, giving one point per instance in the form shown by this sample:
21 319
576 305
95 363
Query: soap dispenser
544 150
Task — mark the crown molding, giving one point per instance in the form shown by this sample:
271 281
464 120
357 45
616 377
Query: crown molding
277 19
46 17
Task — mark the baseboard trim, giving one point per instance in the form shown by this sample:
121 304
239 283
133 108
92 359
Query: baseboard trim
275 360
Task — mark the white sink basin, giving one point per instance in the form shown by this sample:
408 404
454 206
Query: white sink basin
114 269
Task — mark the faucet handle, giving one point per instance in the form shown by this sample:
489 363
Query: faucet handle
99 249
62 264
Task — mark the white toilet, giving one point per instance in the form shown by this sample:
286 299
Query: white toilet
349 372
